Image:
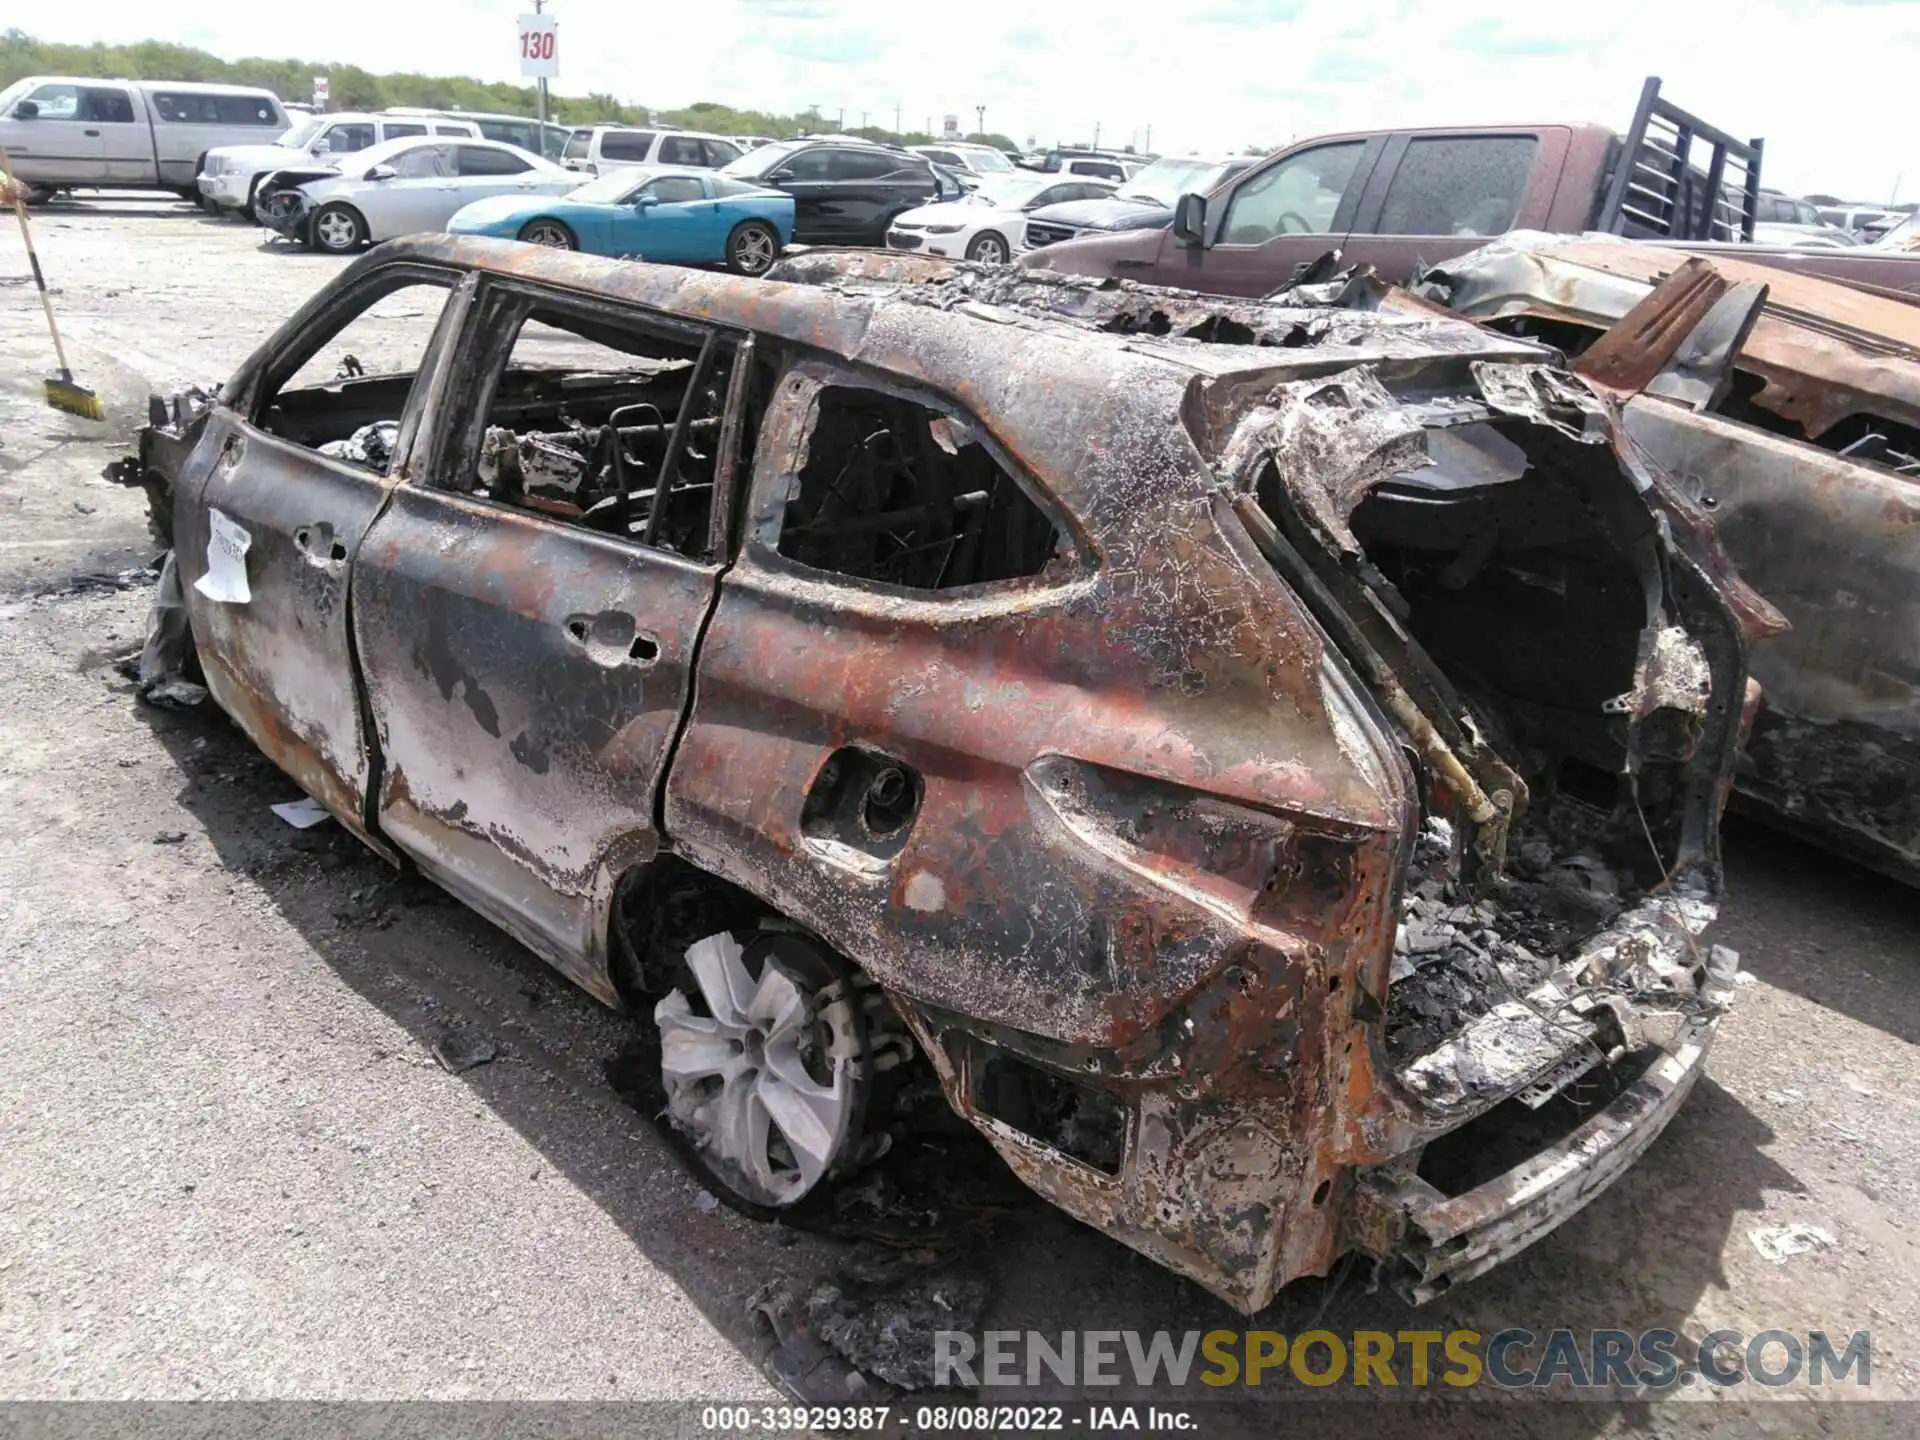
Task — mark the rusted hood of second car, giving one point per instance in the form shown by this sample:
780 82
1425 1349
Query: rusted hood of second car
1823 349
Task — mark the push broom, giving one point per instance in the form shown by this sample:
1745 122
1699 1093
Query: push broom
63 392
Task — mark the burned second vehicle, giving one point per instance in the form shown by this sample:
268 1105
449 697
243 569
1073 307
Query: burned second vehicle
1788 407
1257 758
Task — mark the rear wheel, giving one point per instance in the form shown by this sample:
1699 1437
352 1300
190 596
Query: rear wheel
765 1064
752 248
550 233
989 247
337 229
253 193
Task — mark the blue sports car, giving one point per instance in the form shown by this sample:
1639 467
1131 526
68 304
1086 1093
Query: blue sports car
647 212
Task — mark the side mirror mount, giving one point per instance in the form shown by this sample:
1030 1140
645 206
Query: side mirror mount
382 172
780 175
27 110
1190 220
645 202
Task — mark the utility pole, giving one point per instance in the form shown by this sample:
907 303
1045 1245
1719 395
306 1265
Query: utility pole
540 84
1096 134
1149 149
979 119
896 122
863 119
840 125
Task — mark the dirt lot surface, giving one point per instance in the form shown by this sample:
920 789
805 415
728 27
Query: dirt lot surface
233 1167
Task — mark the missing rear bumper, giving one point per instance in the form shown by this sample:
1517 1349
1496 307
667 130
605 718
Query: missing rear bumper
1431 1240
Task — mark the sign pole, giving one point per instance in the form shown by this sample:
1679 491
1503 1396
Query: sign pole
541 84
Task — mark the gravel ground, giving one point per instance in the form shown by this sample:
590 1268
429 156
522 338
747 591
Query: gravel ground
232 1167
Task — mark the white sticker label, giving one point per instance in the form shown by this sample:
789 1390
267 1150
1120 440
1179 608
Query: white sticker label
226 577
302 814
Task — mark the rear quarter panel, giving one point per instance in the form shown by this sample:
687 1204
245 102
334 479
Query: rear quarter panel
776 210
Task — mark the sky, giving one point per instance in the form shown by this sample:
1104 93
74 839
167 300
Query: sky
1824 81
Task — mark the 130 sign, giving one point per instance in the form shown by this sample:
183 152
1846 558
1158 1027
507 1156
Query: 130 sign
539 46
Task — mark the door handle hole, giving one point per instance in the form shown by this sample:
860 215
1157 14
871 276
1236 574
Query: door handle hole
577 628
643 648
338 552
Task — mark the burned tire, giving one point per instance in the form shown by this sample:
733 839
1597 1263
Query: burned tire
765 1066
752 248
337 229
551 233
989 247
253 194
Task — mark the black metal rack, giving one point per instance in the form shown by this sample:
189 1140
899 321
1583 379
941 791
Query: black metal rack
1659 190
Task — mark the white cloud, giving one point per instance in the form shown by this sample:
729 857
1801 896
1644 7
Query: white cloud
1825 81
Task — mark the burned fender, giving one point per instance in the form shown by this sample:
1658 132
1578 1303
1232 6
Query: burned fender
172 429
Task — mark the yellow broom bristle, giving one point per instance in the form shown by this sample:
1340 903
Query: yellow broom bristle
74 399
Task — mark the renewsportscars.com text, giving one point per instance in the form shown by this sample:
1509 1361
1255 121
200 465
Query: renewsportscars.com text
1608 1360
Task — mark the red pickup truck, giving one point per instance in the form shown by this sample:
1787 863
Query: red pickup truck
1401 199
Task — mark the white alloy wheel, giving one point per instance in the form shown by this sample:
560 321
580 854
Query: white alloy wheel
989 248
336 229
758 1083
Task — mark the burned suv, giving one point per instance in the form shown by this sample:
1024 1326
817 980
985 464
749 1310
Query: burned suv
1265 761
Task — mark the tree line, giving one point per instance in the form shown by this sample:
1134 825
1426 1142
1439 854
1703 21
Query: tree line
352 88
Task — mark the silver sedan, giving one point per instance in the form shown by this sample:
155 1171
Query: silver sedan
401 187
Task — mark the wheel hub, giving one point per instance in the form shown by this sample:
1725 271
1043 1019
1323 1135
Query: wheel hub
744 1081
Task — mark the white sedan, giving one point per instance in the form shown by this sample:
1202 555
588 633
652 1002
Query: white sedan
401 187
988 224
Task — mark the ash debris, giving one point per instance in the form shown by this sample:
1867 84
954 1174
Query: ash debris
880 1312
1457 954
370 447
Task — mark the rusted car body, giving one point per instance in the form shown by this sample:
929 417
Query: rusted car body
1802 435
1257 754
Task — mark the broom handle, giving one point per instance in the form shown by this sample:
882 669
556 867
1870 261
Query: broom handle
39 280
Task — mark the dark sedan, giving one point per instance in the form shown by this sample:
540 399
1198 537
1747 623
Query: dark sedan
1144 203
844 193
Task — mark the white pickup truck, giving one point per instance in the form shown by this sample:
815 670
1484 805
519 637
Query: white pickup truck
65 132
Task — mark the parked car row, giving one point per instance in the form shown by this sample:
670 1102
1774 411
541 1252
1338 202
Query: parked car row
741 215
